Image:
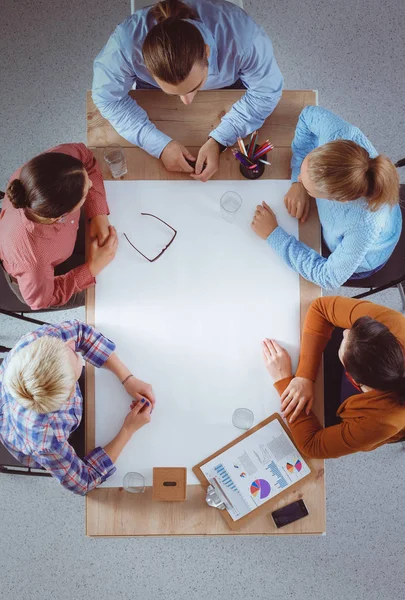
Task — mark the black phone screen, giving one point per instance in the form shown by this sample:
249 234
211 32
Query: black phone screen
290 513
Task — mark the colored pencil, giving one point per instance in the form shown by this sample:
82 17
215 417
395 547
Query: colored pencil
265 162
244 160
242 146
252 143
265 146
239 156
262 152
266 143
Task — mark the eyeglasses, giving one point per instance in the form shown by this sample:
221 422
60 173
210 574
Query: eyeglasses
164 249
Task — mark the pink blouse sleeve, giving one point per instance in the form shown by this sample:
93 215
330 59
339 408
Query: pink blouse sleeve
41 289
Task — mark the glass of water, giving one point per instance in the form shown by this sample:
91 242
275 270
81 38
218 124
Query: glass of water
243 418
134 483
230 203
115 159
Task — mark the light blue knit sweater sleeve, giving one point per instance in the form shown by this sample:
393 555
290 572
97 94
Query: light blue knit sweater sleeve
329 273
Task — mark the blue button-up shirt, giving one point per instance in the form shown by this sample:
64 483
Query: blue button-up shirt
41 440
239 49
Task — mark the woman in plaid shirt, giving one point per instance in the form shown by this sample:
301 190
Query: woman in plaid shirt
41 403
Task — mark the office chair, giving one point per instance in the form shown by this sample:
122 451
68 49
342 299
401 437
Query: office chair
138 4
11 306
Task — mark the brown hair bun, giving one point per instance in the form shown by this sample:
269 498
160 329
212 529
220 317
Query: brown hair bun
16 194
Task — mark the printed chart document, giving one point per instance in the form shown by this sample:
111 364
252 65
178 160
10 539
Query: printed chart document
256 469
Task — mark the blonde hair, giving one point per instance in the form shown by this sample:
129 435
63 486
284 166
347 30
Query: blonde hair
344 171
40 376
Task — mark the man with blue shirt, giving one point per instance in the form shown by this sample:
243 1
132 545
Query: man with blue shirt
183 48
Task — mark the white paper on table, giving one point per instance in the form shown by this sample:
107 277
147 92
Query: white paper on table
191 323
256 469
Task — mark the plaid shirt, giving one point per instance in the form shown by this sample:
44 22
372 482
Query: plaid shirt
41 440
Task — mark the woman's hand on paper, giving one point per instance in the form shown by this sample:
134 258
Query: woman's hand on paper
174 158
100 229
139 390
138 416
298 394
208 156
264 221
276 359
298 202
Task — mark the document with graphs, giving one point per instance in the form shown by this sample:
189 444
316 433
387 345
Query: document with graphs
255 469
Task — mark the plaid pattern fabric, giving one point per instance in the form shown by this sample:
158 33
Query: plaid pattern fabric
31 251
41 440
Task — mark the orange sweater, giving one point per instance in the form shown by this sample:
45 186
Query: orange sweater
370 419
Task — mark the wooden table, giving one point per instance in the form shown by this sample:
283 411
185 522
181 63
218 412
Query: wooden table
112 511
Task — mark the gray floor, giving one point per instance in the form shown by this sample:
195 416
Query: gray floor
353 53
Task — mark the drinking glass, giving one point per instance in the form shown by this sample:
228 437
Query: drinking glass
243 418
115 159
134 483
230 204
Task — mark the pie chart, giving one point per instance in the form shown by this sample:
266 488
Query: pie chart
260 488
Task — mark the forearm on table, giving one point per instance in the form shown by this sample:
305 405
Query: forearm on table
42 290
305 427
242 119
116 366
132 123
116 446
312 348
328 273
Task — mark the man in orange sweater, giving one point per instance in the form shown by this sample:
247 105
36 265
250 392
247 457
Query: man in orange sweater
372 353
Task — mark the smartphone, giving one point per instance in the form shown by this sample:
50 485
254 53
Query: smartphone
192 163
290 513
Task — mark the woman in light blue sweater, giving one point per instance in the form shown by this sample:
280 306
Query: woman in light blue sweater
356 191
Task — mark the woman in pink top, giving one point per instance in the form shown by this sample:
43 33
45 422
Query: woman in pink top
40 248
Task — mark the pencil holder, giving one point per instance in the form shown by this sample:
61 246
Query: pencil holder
255 173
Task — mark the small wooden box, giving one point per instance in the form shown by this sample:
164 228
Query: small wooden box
169 484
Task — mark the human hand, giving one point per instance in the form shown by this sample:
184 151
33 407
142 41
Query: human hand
99 228
139 390
101 256
208 156
138 416
276 359
174 158
298 202
300 392
264 221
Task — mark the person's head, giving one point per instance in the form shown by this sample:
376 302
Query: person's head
43 374
342 170
50 186
174 50
373 357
